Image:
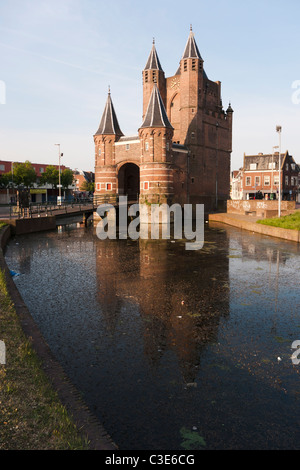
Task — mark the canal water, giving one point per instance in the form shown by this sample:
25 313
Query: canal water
172 349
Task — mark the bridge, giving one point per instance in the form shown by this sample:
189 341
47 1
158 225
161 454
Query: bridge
39 217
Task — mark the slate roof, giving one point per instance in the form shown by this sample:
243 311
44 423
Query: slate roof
156 115
191 50
153 60
109 122
262 161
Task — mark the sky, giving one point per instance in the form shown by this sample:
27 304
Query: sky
58 58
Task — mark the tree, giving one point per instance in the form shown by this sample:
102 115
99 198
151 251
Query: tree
87 186
23 175
6 180
50 176
66 178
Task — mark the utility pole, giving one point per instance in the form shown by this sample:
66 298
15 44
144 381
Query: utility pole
278 129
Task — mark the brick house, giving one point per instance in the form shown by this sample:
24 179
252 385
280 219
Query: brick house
182 150
261 175
80 177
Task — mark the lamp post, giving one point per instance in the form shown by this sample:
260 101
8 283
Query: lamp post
278 129
272 187
59 183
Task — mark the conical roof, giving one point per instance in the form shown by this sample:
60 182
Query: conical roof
191 50
109 122
153 60
156 115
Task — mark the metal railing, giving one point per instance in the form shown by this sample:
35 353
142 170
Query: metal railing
52 208
49 208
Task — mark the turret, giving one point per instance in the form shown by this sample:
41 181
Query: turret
153 74
191 82
156 135
107 134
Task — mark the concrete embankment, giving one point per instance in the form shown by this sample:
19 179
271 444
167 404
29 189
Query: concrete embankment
244 222
69 396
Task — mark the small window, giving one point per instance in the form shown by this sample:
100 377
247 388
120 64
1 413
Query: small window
168 146
146 184
248 181
127 146
257 180
42 170
272 166
108 186
193 64
185 65
287 180
253 166
146 77
267 180
276 179
98 186
287 167
2 167
193 180
293 165
146 146
99 152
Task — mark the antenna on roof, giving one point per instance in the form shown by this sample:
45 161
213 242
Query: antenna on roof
153 42
191 27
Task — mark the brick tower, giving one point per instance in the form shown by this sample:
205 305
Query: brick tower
156 165
183 148
107 135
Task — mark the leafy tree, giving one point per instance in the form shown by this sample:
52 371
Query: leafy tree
50 176
87 186
66 178
24 175
6 180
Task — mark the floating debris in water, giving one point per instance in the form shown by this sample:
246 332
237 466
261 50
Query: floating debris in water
14 274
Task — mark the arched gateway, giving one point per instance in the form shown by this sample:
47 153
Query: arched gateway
129 181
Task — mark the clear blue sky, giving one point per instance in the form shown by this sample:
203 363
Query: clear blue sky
58 58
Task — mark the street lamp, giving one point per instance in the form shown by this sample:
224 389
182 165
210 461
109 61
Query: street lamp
59 183
272 186
278 129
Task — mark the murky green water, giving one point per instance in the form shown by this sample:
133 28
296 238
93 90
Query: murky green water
172 349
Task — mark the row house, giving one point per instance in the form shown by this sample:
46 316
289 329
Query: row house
261 176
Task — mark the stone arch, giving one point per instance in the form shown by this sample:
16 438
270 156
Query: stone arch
128 175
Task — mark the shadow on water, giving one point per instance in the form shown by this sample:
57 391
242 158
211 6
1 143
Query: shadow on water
172 349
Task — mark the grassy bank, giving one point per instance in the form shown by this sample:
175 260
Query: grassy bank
291 221
31 415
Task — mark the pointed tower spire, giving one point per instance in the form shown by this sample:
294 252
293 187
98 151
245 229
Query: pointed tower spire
109 122
156 115
153 74
153 60
191 50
